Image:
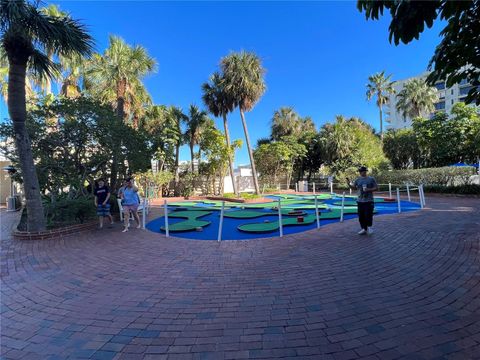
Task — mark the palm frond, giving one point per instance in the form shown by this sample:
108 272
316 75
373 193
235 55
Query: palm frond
42 67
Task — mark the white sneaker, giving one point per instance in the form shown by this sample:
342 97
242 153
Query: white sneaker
370 231
362 232
125 229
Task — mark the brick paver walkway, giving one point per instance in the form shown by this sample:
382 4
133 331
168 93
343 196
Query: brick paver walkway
412 291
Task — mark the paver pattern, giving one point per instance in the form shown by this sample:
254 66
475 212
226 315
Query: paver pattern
409 291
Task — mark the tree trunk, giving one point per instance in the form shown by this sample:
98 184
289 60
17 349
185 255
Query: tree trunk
381 123
230 160
121 89
250 153
192 155
18 113
177 172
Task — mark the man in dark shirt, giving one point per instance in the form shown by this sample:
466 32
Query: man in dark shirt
102 197
365 185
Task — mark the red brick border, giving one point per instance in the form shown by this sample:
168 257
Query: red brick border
49 234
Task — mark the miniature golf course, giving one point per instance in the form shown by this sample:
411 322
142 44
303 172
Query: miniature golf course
242 221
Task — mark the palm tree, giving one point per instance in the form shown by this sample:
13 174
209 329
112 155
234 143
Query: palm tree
220 104
26 33
285 122
381 87
195 122
52 11
244 83
118 72
177 117
416 99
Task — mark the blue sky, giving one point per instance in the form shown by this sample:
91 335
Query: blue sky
318 55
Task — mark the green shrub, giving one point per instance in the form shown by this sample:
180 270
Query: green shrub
469 189
66 212
444 176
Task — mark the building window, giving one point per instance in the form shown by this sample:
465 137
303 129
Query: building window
451 101
451 92
465 90
440 105
440 85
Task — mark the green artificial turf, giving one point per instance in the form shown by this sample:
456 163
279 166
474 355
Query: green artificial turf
249 214
191 223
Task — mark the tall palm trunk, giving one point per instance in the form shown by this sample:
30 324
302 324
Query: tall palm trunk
177 171
381 122
230 161
192 155
18 113
121 88
250 153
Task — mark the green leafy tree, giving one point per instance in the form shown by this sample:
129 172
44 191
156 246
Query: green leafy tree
445 140
380 87
244 83
349 143
82 147
217 155
456 57
416 99
277 158
195 125
26 33
163 133
401 148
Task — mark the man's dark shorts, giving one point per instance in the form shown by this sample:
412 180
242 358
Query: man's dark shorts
103 210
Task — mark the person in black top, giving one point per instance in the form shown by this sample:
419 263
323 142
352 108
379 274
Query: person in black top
102 197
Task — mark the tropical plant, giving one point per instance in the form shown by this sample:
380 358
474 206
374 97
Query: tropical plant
219 103
195 122
456 57
401 148
177 118
217 155
285 122
82 147
380 87
52 11
278 158
26 36
244 83
416 99
445 140
349 143
116 75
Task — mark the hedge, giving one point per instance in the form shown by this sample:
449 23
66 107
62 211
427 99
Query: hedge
470 189
443 176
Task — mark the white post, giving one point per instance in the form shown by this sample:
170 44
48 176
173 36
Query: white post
343 207
398 201
331 187
408 192
314 188
350 191
165 209
390 190
420 195
316 212
296 187
279 186
220 225
423 196
263 190
144 212
280 225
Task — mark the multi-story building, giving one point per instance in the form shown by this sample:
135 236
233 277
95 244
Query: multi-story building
447 98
